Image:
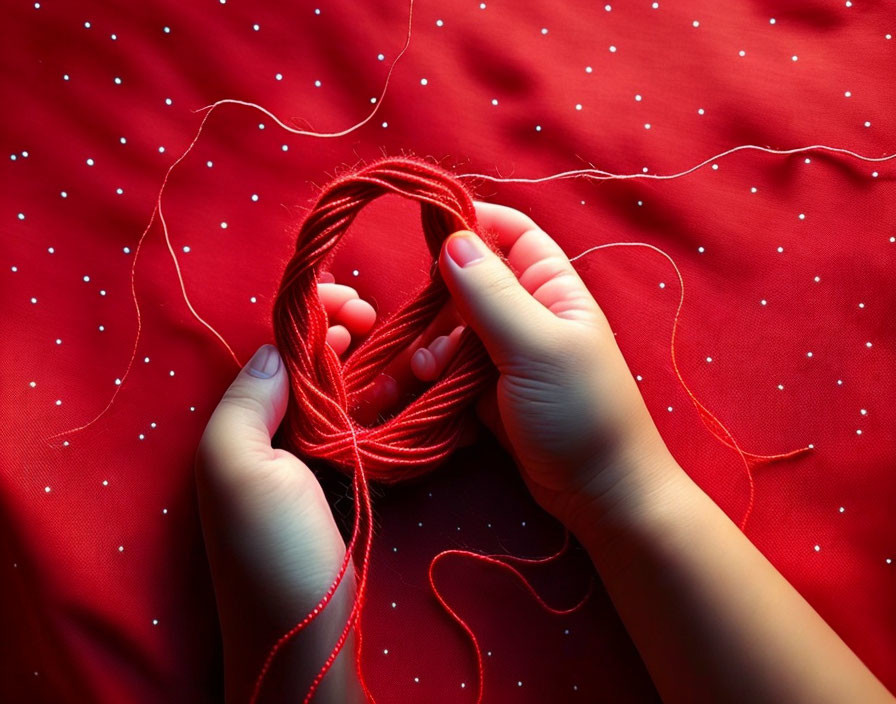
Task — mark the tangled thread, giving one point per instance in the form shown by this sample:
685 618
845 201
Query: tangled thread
326 390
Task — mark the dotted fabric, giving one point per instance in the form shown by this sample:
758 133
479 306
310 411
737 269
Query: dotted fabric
787 331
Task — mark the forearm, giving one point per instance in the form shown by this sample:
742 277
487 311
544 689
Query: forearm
713 620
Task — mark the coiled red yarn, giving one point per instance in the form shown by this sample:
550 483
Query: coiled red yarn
318 421
325 389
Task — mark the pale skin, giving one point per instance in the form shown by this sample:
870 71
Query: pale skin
712 618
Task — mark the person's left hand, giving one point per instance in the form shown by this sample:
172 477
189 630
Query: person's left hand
273 546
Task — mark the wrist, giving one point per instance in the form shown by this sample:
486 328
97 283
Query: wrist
639 493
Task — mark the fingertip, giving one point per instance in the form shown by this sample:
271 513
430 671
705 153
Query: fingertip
423 364
358 316
339 338
325 277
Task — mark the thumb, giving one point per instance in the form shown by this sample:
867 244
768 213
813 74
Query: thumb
489 296
239 431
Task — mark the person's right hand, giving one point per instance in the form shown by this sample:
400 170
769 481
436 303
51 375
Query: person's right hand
565 405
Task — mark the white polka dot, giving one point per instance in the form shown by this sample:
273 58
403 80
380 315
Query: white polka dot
578 106
794 58
317 84
252 299
186 249
780 249
612 49
709 359
123 140
817 548
494 101
802 216
588 69
696 23
90 162
223 225
385 125
753 189
867 124
126 250
817 279
741 53
638 97
209 164
701 250
439 23
166 30
254 197
669 409
646 125
47 489
423 82
771 21
161 150
278 76
117 81
848 94
381 57
701 111
544 30
168 101
538 128
256 27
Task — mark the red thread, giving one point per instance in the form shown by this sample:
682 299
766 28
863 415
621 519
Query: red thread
325 390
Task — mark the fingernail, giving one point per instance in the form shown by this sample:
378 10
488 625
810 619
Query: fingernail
464 249
265 362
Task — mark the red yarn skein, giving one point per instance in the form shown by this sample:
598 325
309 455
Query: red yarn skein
324 389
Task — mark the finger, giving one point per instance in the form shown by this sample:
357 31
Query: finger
540 263
428 363
507 319
357 315
238 433
339 339
334 296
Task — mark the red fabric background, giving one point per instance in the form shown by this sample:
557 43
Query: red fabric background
106 596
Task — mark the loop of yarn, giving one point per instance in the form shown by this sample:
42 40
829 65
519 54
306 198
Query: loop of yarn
325 389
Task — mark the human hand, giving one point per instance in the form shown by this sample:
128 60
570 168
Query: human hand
565 404
273 546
